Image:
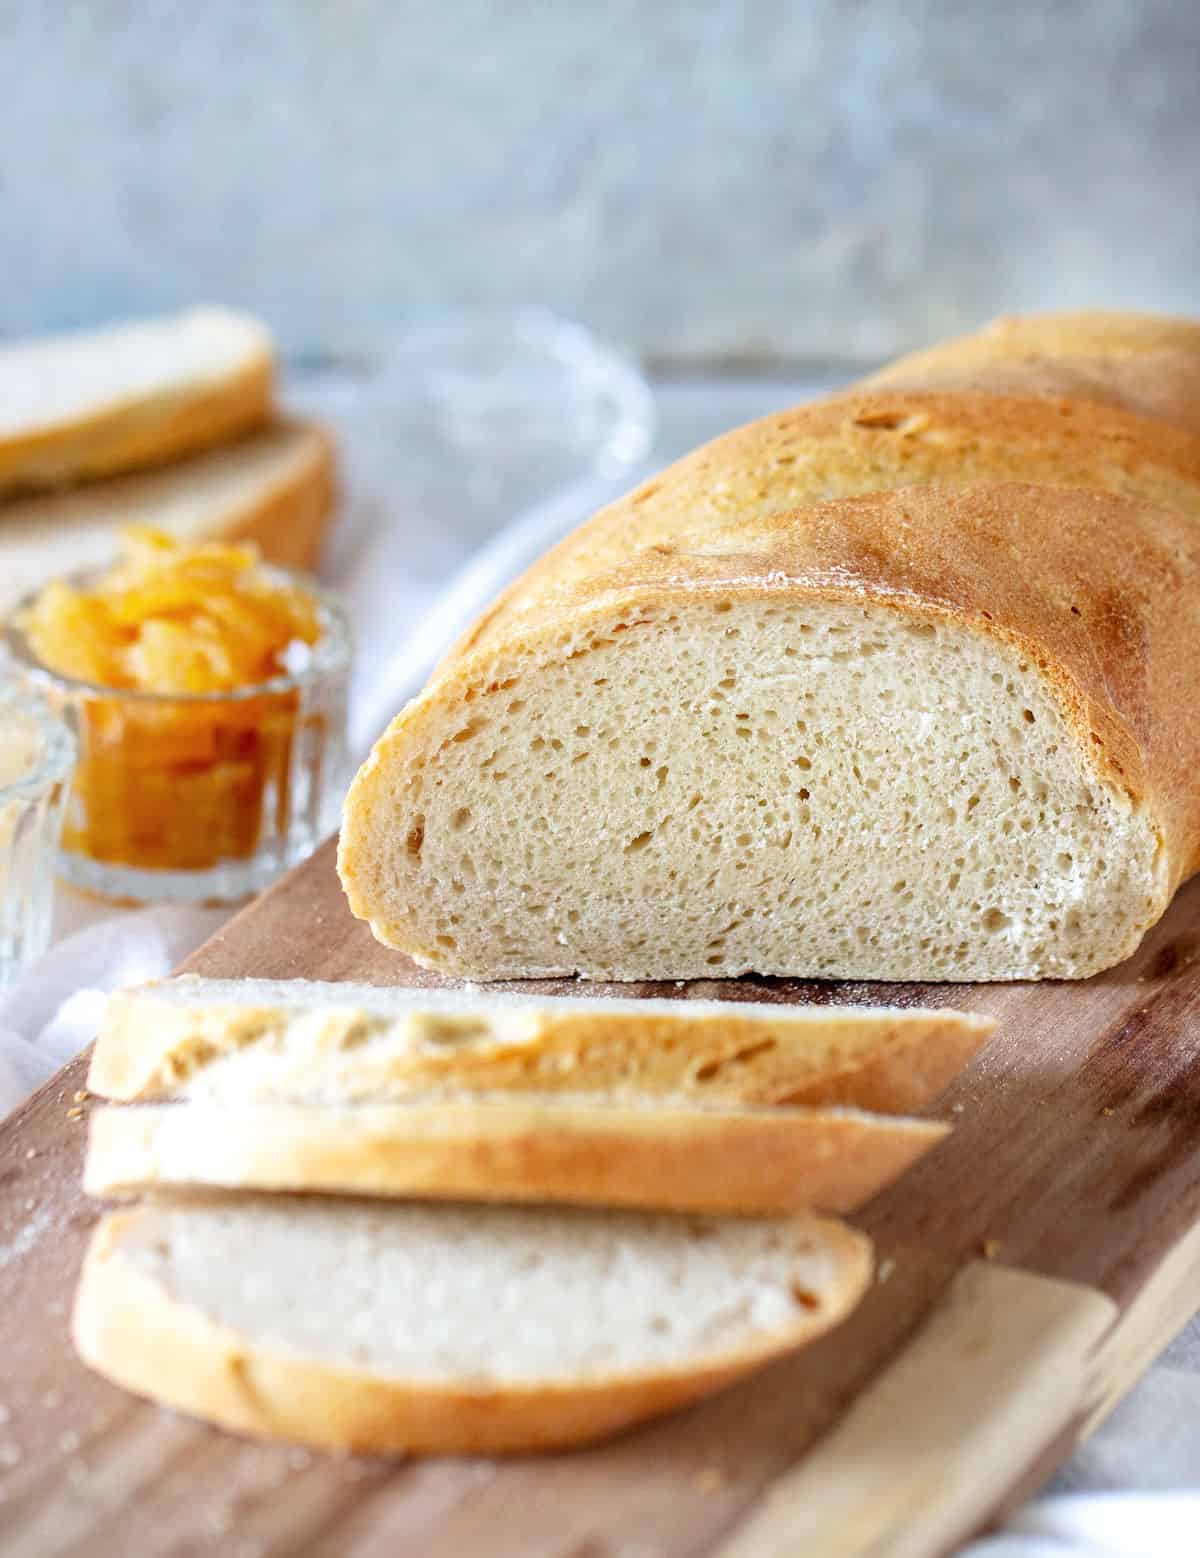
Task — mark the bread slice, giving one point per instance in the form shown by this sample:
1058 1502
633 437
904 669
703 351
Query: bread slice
450 1329
99 402
275 488
577 1151
938 733
240 1042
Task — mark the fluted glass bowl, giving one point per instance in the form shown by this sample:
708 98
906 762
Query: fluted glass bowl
207 797
37 752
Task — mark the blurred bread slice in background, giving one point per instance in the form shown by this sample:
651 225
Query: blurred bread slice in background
277 488
106 401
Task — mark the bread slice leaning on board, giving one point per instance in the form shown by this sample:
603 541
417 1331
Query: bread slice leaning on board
448 1330
275 487
584 1151
297 1041
893 686
99 402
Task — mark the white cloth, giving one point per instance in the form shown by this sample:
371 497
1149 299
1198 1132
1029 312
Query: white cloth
51 1013
1105 1525
1152 1441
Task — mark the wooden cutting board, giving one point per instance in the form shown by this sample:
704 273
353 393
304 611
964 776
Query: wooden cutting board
1030 1269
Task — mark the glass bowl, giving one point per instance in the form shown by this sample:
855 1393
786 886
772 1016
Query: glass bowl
470 418
520 387
203 797
37 752
456 427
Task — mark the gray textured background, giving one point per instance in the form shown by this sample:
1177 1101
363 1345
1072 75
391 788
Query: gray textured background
707 182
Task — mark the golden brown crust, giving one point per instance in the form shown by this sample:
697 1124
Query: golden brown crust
1143 363
1109 402
862 442
128 1328
140 433
672 1159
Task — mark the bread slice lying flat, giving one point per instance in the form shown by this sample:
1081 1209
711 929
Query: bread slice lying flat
581 1152
887 687
245 1041
462 1330
99 402
275 488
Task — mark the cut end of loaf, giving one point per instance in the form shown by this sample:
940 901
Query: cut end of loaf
803 787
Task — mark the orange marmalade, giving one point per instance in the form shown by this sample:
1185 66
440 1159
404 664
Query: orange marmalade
189 718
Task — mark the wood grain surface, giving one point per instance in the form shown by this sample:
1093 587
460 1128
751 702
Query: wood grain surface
1037 1260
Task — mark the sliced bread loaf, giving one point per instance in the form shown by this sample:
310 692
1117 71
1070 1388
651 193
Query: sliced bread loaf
239 1042
577 1151
98 402
936 734
449 1329
275 488
890 687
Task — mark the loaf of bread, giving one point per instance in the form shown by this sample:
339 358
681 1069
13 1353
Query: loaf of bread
275 487
894 686
99 402
232 1043
454 1329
